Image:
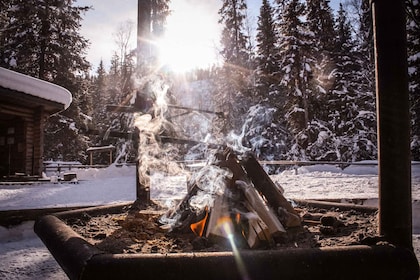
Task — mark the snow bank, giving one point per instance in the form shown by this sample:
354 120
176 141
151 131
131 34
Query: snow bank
23 256
95 187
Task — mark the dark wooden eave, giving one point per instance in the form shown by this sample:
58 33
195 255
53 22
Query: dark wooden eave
13 102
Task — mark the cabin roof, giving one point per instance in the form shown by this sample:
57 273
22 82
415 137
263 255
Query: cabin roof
31 92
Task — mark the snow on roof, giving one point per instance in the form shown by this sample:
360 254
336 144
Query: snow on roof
100 149
36 87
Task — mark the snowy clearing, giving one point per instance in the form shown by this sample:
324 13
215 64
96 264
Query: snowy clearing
23 255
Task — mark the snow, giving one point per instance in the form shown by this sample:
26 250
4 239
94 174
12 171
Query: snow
36 87
23 255
100 148
95 187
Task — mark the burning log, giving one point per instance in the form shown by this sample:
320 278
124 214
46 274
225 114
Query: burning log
266 219
219 215
227 223
183 215
239 211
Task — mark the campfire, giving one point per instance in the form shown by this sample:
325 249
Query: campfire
234 200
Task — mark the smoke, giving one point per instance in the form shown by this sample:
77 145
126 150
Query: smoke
159 159
253 135
152 97
210 181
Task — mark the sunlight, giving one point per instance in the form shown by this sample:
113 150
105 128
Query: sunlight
190 38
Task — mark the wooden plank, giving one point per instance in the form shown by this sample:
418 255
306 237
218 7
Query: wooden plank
219 212
264 212
266 186
257 231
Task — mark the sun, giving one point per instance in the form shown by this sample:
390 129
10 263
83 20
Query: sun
190 40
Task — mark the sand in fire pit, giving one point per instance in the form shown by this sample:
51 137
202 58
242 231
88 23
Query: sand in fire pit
141 232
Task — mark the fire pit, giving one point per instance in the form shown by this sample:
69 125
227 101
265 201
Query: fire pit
81 259
308 240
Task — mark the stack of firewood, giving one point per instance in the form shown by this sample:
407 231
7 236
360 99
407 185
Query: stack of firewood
251 209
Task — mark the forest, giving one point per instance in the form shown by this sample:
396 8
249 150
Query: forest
301 88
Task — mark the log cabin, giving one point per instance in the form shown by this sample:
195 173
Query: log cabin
25 105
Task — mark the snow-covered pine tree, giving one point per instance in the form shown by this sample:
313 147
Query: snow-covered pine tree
264 126
42 40
234 41
100 95
342 108
413 39
4 18
233 94
100 121
295 73
160 11
267 69
118 89
364 124
320 23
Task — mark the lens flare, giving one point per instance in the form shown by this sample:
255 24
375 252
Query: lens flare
227 226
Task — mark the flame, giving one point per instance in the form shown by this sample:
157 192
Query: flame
238 218
198 227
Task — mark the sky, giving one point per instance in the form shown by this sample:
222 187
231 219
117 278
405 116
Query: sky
193 32
189 17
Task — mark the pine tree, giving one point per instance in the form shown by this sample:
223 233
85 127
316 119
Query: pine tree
296 73
364 128
234 41
100 121
320 22
267 61
43 40
160 11
264 123
321 34
100 95
413 31
352 107
342 104
234 94
4 19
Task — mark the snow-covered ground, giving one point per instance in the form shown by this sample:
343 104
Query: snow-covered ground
23 255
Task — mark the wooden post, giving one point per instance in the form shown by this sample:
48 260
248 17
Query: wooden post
395 217
144 12
142 191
